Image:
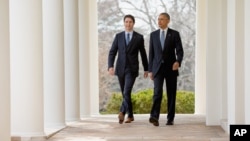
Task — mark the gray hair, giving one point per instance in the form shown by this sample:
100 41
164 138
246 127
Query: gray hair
166 15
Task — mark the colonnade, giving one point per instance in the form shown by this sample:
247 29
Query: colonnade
49 64
47 74
222 78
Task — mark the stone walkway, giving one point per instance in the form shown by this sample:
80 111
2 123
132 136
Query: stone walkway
187 127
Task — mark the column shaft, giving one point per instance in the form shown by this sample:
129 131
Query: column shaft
214 62
5 71
246 61
84 61
71 44
235 57
53 60
200 60
239 62
88 49
27 115
94 69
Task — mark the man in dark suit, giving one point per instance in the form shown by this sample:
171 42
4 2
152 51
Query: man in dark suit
165 57
127 44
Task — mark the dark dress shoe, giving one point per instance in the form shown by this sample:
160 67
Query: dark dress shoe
121 117
154 121
129 120
170 123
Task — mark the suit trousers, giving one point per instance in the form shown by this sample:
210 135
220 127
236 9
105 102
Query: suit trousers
171 86
126 84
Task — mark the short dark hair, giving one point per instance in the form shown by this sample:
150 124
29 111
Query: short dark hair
165 14
129 16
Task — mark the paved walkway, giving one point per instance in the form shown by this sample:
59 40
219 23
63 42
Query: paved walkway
187 127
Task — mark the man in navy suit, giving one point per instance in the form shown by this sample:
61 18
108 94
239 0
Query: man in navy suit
165 57
127 44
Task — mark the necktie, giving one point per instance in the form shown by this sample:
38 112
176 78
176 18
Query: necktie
162 39
128 38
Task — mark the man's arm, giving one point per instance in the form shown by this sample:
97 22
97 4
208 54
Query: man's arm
144 58
151 54
179 49
143 55
150 57
112 53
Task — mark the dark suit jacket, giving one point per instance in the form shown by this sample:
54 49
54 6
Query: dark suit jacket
172 51
127 55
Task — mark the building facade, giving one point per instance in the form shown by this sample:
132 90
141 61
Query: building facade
49 64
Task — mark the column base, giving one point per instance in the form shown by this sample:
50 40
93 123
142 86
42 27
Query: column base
224 125
49 132
38 138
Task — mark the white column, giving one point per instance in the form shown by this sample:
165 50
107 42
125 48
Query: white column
53 60
5 71
71 53
88 55
246 60
236 66
200 60
27 115
94 69
214 62
231 60
223 96
239 62
235 32
84 62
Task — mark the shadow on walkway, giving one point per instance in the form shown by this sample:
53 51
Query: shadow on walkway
187 127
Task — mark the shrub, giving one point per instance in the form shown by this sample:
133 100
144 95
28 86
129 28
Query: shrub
142 102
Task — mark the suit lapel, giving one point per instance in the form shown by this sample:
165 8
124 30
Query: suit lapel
159 40
123 43
166 44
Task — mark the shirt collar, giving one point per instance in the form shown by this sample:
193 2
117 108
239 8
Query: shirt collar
131 33
165 30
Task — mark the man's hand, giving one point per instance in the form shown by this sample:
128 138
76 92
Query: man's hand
145 74
111 71
176 66
150 74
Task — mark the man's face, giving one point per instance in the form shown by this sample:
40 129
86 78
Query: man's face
128 24
163 21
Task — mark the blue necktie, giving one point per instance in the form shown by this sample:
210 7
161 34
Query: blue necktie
127 39
162 39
